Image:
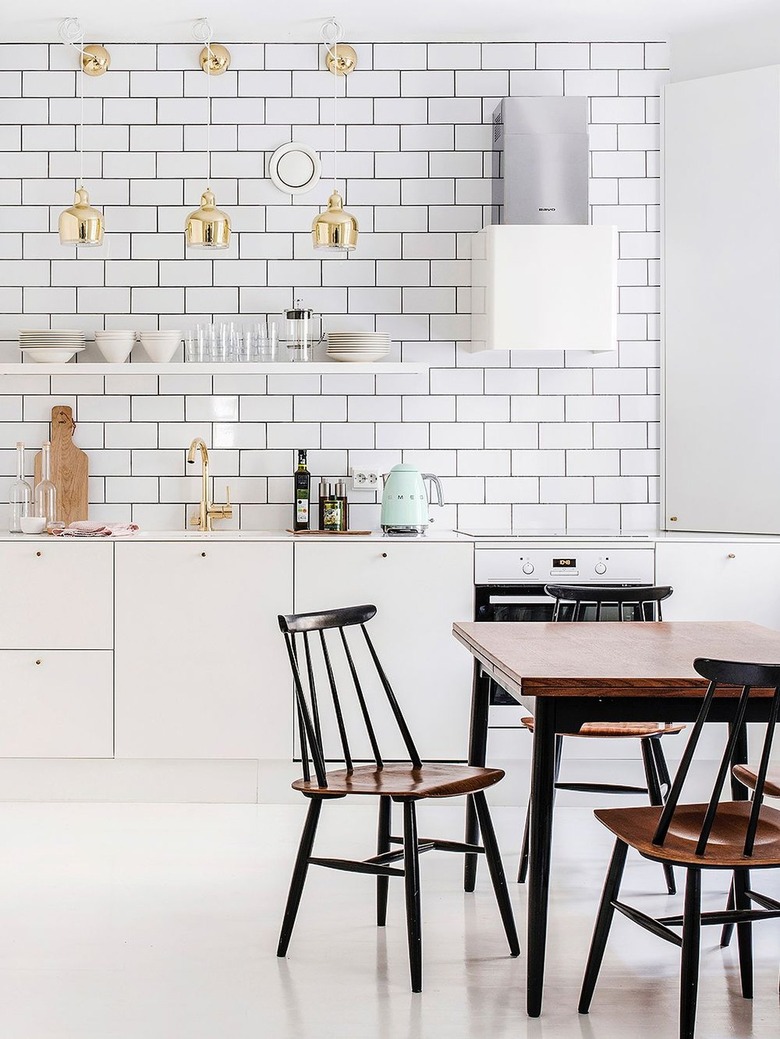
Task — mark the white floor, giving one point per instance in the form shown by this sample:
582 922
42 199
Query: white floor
160 922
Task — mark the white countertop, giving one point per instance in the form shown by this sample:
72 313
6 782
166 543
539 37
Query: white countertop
629 539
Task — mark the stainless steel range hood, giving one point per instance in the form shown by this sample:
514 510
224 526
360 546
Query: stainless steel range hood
540 161
542 278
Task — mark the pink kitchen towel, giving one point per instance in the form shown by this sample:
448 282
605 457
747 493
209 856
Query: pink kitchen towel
86 529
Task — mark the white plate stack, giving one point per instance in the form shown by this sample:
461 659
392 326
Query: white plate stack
358 346
51 345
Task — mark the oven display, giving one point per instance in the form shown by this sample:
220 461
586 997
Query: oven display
564 564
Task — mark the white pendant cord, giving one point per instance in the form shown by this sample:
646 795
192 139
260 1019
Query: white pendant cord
335 124
71 33
331 33
208 113
201 30
81 75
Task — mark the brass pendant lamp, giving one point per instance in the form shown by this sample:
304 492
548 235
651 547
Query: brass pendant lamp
208 227
335 228
81 224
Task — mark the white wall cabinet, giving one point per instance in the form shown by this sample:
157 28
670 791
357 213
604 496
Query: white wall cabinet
722 313
419 589
721 580
201 670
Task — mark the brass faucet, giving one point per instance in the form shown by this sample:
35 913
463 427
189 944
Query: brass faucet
208 511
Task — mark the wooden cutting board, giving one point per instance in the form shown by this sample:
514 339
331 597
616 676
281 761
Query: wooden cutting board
69 467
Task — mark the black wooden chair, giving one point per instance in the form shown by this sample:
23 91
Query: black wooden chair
581 603
726 835
312 657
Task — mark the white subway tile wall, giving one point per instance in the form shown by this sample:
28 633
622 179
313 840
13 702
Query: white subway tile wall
538 439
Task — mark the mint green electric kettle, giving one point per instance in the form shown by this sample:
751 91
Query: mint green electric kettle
405 501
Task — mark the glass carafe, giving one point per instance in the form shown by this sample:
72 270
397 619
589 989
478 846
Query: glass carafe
301 338
45 491
20 494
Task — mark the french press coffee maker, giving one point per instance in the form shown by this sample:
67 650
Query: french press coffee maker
300 335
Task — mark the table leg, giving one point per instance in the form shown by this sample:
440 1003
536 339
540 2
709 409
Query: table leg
480 703
542 795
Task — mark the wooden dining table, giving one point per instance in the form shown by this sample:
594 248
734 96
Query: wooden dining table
569 674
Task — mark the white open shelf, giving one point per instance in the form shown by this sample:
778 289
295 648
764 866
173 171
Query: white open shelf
218 368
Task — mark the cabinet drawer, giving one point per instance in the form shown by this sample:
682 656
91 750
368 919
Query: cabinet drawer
58 594
56 704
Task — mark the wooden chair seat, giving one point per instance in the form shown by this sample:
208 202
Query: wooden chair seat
636 826
749 776
401 781
616 730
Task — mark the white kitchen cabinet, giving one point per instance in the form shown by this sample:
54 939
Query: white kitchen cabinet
722 311
721 580
201 670
58 594
56 704
419 589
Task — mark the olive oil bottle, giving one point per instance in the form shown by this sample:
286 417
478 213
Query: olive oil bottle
302 494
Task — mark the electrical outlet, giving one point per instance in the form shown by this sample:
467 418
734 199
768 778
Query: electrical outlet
365 479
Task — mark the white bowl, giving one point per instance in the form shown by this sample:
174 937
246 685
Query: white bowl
32 524
115 350
161 349
51 355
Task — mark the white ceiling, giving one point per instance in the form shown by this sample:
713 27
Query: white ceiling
169 21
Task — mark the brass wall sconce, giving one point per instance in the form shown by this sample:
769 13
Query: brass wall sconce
95 60
335 228
208 227
215 59
81 224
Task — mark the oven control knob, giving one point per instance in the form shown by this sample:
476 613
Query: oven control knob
528 568
600 568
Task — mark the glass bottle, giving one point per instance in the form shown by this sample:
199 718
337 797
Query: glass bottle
302 493
45 491
20 495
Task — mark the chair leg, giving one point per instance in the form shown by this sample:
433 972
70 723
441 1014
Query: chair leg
412 890
383 845
728 929
603 923
522 869
691 942
299 874
496 870
661 767
656 798
744 932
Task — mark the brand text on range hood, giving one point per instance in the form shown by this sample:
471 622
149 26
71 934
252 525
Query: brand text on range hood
540 161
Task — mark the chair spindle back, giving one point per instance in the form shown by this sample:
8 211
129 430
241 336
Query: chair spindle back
311 707
750 678
572 601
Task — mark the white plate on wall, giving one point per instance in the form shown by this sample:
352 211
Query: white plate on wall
294 168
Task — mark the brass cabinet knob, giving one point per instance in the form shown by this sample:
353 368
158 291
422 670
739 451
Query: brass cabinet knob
384 555
203 554
39 553
732 555
38 661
